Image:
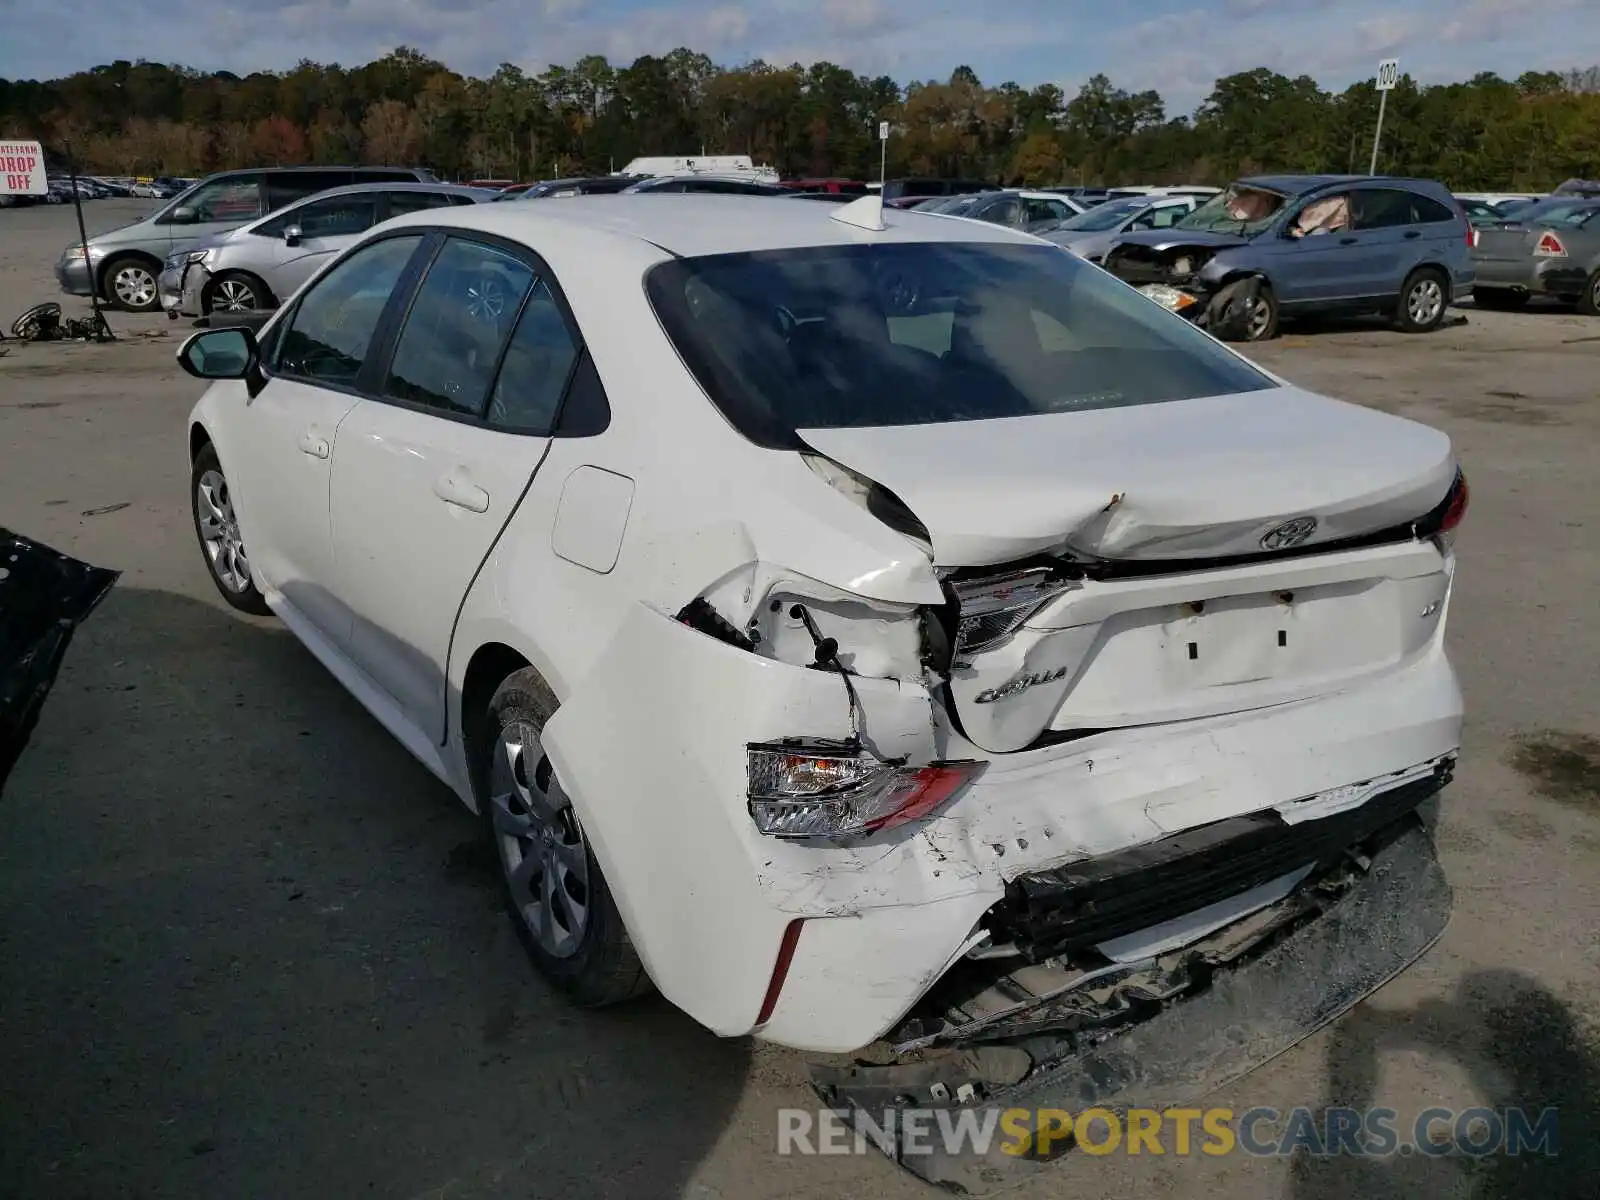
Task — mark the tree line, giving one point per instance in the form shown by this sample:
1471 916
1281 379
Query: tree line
146 118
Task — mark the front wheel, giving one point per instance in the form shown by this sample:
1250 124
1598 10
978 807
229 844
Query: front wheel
560 905
235 293
1424 297
130 284
1244 311
217 526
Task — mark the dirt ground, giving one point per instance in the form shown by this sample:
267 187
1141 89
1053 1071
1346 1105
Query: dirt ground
248 948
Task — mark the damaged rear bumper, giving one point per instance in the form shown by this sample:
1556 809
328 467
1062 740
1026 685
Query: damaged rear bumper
1175 1028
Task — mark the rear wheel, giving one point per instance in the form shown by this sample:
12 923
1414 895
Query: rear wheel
1423 300
560 905
1499 299
1589 302
217 526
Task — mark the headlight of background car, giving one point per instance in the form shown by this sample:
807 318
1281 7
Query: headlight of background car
1170 298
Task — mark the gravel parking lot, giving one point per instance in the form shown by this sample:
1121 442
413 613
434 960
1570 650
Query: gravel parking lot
248 948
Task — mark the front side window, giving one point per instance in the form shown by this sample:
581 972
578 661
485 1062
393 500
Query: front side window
919 333
1326 214
456 328
337 216
327 338
1241 208
237 199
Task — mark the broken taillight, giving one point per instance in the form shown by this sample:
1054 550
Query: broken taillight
1549 247
822 789
991 609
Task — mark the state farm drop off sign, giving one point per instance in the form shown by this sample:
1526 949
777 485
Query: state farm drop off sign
22 169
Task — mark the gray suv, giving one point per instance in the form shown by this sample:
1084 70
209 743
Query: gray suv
124 264
1295 245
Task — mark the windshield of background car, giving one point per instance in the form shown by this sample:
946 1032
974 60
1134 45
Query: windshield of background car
1103 217
926 332
1236 209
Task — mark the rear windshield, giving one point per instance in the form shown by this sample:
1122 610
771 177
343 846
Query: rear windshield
918 333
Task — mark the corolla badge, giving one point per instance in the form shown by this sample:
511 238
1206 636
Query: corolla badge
1020 684
1290 533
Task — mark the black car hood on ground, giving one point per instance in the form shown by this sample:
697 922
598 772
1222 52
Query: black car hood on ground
44 597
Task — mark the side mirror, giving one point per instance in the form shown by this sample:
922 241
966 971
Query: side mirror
183 215
292 235
222 354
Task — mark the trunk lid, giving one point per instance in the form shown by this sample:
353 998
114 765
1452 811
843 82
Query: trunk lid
1205 478
1173 487
1510 240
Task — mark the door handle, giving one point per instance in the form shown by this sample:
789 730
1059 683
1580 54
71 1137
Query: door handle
313 445
452 488
1347 241
1413 234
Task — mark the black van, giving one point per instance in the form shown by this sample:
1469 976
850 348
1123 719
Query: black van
125 263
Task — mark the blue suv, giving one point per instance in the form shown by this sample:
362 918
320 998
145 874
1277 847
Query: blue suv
1296 245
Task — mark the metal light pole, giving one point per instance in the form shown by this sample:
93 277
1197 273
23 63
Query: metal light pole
1388 76
102 331
883 155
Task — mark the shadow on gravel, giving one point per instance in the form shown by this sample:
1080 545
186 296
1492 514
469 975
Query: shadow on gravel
248 948
1520 1046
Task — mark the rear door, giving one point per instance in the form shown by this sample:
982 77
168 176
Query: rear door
1390 241
427 475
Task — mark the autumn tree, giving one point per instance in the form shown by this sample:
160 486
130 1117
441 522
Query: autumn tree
390 133
277 141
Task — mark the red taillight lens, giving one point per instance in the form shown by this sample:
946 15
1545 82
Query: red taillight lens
825 790
1472 236
1455 508
1550 247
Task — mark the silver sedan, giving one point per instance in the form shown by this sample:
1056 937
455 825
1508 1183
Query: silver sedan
259 265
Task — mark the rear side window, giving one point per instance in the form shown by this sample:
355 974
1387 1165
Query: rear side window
1382 208
401 203
1426 210
327 338
458 325
920 333
285 187
537 364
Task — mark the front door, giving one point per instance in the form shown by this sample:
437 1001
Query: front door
280 466
307 236
427 476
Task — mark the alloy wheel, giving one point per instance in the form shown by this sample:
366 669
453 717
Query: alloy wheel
1425 302
542 849
219 532
233 295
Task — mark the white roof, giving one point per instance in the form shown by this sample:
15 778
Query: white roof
693 225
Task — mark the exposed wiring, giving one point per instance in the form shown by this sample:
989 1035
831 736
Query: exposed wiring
827 657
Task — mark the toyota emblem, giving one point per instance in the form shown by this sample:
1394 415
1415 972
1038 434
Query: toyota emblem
1290 533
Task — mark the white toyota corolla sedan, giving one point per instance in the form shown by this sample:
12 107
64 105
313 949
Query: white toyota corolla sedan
858 625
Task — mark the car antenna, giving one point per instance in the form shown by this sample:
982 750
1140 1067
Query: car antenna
864 213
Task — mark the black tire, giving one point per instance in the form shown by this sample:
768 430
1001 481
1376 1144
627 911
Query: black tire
1424 301
236 284
603 968
246 598
1232 323
1499 299
117 280
1589 302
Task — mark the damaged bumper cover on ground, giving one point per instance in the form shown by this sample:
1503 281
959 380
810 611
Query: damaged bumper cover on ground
1169 1028
44 597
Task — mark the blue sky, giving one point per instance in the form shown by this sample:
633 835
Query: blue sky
1174 46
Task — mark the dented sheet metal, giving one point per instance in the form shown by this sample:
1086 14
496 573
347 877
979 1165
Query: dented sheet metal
44 597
